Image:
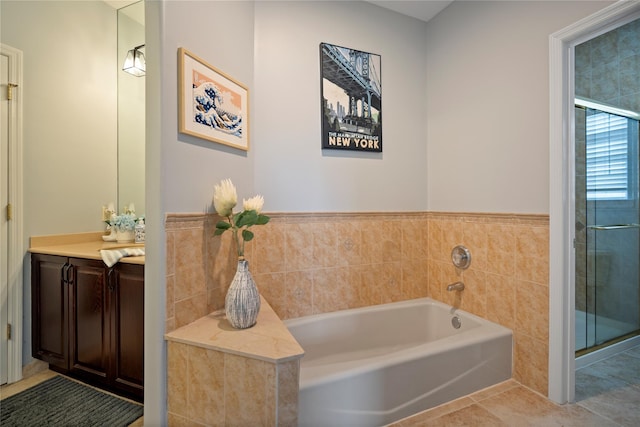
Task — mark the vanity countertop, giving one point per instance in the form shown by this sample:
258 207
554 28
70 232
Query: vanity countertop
80 245
268 340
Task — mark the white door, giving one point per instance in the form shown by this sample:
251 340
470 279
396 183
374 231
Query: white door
4 201
11 234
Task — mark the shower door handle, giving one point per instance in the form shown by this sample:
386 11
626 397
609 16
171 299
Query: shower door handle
613 226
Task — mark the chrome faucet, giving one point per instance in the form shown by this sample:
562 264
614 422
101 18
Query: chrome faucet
458 286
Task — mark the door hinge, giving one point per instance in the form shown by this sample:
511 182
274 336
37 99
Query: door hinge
8 331
9 212
10 87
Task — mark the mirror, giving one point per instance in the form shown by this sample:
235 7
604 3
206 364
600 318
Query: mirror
131 112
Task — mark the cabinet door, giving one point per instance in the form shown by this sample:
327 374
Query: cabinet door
127 314
89 320
49 313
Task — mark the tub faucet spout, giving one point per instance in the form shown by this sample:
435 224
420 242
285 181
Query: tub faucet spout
458 286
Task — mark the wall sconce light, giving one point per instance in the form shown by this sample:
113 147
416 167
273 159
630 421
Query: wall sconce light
134 63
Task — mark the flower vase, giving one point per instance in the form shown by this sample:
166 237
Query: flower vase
124 236
242 302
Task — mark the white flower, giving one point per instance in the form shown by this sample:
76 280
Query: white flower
225 197
253 204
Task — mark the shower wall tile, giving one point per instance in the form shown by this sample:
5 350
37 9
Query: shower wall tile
315 263
629 72
606 67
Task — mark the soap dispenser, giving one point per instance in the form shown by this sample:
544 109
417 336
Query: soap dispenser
139 231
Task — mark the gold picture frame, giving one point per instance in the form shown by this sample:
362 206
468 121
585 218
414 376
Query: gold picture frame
212 105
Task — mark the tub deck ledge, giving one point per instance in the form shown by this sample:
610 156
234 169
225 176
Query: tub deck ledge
268 340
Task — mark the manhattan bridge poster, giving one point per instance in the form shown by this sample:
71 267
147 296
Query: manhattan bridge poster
351 99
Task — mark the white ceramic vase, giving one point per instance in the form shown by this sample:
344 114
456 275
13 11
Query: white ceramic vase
124 236
242 303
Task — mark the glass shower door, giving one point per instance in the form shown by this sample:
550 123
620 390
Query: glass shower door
607 226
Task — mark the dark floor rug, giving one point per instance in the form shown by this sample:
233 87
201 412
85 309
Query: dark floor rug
62 402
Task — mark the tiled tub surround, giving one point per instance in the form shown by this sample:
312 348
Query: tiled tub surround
218 375
315 263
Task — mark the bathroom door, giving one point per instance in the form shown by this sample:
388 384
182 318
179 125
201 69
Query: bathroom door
4 245
11 251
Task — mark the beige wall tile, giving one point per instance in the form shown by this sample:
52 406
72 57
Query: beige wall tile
531 362
206 386
189 263
177 378
532 314
269 251
299 289
299 247
272 286
169 303
501 249
170 253
348 243
288 379
501 299
414 279
476 239
245 383
474 297
190 309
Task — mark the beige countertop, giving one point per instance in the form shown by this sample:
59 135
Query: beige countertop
268 340
80 245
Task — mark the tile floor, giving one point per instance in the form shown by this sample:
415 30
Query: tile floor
607 394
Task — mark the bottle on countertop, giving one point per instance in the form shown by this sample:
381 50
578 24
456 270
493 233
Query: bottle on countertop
139 231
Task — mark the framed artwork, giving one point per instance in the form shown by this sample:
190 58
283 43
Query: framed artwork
351 91
212 105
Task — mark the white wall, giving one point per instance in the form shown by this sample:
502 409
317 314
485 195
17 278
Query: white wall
70 141
69 118
221 33
488 104
291 170
131 115
182 170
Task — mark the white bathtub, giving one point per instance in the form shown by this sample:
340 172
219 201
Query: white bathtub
375 365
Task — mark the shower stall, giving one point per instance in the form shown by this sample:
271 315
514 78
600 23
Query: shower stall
607 225
607 181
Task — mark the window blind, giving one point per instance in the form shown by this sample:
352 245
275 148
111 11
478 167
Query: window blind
607 156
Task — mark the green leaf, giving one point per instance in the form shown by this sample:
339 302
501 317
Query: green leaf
247 235
219 231
262 219
223 225
247 218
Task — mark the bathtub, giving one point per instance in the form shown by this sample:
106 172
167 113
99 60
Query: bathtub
375 365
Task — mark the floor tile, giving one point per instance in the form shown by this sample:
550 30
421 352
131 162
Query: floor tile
635 352
474 415
521 406
589 385
620 404
622 366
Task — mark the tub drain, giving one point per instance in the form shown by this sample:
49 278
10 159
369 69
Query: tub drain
456 322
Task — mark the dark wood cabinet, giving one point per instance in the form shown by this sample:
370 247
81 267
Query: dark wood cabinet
127 323
88 320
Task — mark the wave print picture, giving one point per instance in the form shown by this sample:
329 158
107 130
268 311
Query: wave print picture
213 105
207 109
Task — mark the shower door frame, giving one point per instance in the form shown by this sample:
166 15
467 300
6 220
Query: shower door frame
562 190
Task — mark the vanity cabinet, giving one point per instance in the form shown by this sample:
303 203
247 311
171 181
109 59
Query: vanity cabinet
88 320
